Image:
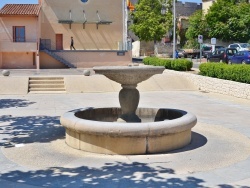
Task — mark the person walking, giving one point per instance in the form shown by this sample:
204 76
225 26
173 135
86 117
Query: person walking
176 54
72 44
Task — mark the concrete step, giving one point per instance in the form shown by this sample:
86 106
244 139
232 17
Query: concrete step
47 89
46 84
46 78
44 92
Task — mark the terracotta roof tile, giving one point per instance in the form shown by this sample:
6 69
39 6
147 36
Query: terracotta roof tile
20 10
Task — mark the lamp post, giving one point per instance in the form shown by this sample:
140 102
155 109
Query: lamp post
174 32
163 11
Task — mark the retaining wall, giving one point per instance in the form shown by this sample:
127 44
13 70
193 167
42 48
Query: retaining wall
169 80
17 85
215 85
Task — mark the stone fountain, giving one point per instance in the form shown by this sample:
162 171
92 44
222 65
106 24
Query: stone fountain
128 130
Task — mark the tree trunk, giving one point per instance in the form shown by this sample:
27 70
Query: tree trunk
155 48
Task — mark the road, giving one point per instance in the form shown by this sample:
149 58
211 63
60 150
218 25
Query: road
197 62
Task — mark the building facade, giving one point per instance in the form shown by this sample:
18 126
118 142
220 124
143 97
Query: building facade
98 28
19 36
206 4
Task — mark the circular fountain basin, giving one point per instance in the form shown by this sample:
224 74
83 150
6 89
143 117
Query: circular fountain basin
97 130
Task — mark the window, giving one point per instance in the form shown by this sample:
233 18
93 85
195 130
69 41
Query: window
18 34
245 45
217 52
238 54
235 46
207 48
222 51
230 52
242 53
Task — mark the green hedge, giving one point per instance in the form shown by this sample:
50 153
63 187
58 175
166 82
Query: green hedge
238 73
173 64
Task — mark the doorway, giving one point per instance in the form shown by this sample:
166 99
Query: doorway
59 41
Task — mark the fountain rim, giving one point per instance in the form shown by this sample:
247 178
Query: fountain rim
128 75
115 69
70 121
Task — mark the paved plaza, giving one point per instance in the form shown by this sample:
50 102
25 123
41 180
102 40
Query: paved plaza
34 154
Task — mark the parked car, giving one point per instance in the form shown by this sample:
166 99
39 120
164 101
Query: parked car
221 55
240 46
207 50
189 52
181 53
242 57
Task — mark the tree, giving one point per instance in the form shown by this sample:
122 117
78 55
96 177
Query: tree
229 20
197 25
148 22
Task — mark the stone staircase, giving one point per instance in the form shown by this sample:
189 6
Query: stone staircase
46 85
58 58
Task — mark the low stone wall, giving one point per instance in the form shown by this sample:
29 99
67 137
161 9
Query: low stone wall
215 85
14 85
169 80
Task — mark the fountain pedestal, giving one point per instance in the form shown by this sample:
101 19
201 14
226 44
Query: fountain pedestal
129 77
129 98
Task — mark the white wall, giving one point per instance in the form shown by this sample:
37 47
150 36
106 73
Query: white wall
136 49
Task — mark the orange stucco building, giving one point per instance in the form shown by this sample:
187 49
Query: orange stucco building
19 35
39 35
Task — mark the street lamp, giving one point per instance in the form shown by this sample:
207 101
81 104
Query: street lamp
174 34
163 11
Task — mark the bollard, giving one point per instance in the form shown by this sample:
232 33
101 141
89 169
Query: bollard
86 72
6 72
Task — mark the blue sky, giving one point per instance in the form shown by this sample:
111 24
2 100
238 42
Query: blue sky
3 2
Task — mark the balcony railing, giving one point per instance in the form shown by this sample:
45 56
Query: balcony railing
9 46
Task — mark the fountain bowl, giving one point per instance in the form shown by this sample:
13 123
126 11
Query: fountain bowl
129 75
97 130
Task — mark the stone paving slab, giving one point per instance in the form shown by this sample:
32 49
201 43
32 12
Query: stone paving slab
33 152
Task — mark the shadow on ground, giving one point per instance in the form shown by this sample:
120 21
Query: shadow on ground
10 103
197 141
30 129
136 175
111 175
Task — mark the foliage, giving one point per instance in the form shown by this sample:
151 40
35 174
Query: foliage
192 44
238 73
181 65
148 22
181 34
197 26
173 64
149 60
229 20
